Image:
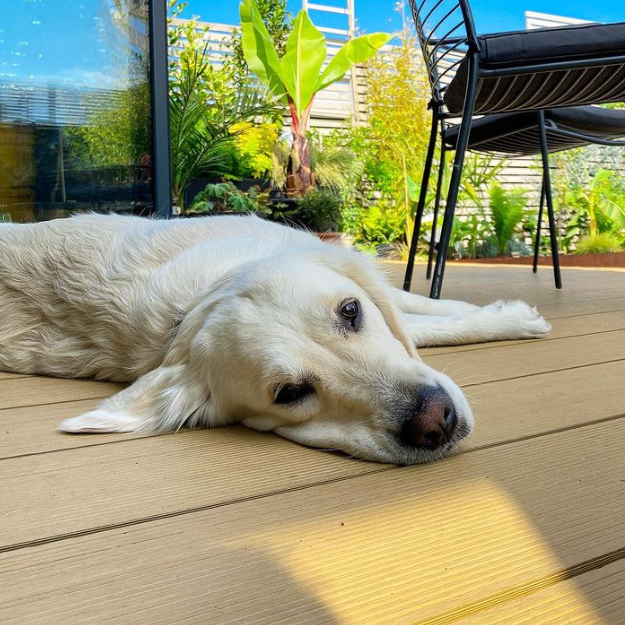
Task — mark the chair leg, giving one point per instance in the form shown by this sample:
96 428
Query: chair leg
425 180
456 175
538 227
549 199
437 203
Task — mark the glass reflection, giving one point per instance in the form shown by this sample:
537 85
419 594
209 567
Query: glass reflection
75 129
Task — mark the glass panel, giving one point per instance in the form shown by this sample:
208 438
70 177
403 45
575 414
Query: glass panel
75 129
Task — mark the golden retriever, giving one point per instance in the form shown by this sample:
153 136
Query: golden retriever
224 320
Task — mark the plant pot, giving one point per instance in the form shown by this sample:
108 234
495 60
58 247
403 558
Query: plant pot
247 183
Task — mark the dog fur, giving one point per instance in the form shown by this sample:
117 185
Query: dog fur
209 318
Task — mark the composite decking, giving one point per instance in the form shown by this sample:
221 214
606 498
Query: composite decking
526 524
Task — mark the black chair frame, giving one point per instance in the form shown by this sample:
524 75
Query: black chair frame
545 127
447 53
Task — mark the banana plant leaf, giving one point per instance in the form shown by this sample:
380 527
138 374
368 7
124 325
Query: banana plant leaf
259 51
353 52
302 62
297 74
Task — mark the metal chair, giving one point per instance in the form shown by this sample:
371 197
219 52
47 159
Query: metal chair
519 134
530 70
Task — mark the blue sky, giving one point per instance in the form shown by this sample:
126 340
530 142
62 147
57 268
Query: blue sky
490 15
76 41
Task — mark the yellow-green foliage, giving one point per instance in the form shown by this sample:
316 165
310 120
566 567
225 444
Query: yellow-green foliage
598 243
398 93
254 145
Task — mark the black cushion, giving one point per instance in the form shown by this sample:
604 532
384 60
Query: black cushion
593 120
552 44
566 87
517 133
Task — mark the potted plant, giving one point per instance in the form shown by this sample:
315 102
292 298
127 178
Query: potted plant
296 77
224 198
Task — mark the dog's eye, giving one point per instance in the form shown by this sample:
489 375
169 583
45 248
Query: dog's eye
350 311
292 393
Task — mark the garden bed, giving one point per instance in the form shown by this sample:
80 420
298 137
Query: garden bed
606 259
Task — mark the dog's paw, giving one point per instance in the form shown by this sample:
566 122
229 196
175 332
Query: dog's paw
99 422
525 322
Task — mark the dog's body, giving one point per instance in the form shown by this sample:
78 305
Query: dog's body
235 319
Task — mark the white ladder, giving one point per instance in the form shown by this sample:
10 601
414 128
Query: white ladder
338 36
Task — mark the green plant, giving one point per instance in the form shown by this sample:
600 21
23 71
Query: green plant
381 223
278 22
392 146
335 167
253 147
472 227
224 196
297 77
603 197
320 210
507 207
598 243
205 107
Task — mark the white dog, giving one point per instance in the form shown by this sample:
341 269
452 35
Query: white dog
225 320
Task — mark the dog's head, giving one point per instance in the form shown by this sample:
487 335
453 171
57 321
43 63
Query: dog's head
313 348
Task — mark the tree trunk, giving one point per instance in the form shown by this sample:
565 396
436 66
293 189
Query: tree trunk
300 177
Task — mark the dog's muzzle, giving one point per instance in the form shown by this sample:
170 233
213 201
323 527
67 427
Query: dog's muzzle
433 422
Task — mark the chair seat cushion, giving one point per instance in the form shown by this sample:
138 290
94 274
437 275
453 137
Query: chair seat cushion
552 44
517 133
538 89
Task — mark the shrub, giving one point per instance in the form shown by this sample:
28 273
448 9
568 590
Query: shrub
598 243
320 210
507 208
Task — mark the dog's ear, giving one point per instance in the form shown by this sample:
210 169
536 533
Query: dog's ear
366 275
173 395
164 399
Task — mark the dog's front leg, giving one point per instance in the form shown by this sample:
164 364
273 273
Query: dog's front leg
161 400
413 304
496 322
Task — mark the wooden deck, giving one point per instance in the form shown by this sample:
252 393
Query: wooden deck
525 525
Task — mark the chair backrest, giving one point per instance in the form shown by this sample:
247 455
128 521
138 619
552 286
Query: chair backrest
446 33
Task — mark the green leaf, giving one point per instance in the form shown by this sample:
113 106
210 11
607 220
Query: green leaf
414 189
258 48
615 212
301 64
353 52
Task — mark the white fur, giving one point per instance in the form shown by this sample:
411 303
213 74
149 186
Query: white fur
206 317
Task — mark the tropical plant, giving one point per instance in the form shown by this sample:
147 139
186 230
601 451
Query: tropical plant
205 108
224 196
603 197
472 226
334 167
381 223
278 22
507 207
297 77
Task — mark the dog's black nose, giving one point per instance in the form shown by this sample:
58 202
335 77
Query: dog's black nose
433 422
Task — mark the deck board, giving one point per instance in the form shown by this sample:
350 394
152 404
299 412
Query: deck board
121 483
561 328
32 391
594 598
525 525
478 525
